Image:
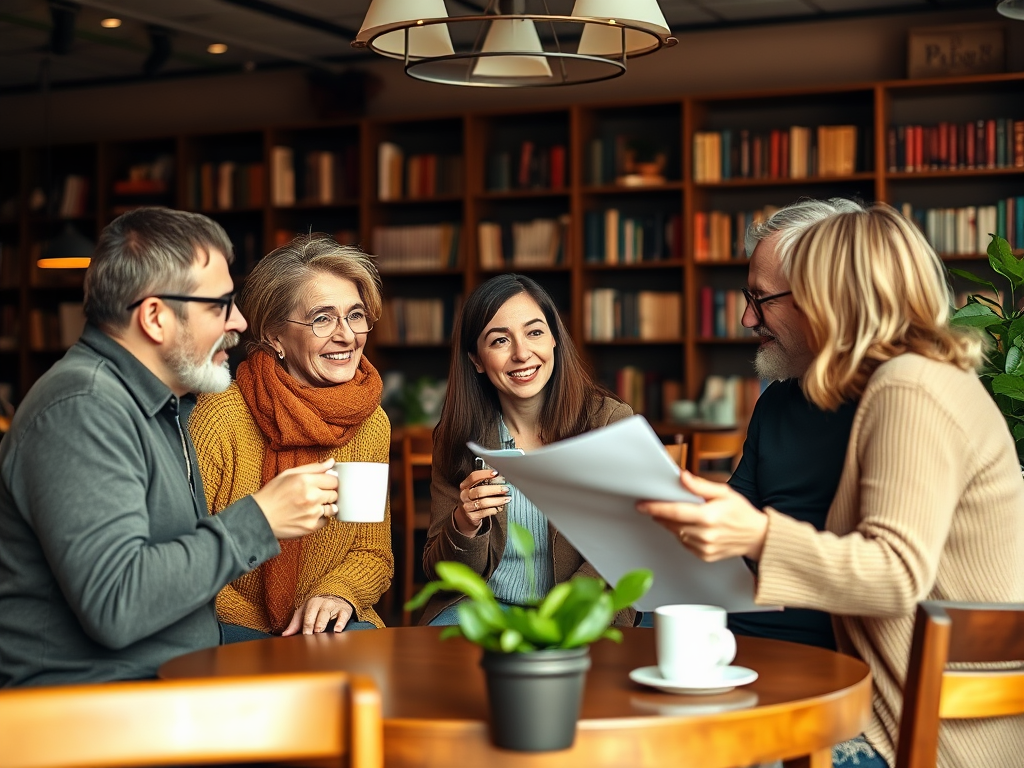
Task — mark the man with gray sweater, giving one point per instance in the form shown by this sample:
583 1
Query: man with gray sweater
109 562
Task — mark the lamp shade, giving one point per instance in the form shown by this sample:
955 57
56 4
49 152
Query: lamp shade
68 250
516 35
1013 9
426 41
601 40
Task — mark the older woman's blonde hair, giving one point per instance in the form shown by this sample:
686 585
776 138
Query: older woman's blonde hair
274 287
871 288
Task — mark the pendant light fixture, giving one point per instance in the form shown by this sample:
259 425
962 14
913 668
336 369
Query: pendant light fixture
524 46
1013 9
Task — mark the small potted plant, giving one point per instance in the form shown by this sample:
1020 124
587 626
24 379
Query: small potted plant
998 314
535 658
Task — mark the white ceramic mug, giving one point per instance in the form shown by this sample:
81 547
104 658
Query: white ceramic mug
362 491
692 640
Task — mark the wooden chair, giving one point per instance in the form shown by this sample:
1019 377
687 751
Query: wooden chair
415 457
950 633
677 451
708 446
299 716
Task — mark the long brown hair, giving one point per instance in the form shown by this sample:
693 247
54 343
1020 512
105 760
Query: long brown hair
471 406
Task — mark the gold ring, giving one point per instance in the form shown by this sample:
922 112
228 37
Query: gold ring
476 504
682 535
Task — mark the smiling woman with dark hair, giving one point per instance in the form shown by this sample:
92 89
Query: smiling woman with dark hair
515 381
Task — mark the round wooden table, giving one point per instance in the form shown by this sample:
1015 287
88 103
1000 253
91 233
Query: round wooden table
435 707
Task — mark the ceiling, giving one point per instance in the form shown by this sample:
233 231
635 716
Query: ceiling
63 42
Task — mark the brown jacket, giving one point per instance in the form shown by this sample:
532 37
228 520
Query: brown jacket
483 552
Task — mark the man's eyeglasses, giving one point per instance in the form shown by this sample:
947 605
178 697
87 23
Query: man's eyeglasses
226 302
325 325
755 302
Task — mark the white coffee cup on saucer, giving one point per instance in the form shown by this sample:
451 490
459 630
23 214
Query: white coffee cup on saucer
362 491
693 642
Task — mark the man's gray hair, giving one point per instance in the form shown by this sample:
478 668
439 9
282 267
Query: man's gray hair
790 222
147 251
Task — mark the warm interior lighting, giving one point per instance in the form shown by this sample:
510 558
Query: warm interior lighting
68 250
64 262
514 43
1013 9
110 23
216 48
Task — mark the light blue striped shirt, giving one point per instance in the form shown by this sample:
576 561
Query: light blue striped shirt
509 581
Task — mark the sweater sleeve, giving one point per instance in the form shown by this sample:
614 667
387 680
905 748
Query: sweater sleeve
911 472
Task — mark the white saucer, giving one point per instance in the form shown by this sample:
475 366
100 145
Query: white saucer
718 680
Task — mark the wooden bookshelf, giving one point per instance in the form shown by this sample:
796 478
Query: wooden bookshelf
633 169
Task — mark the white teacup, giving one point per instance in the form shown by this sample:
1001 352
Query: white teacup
362 491
692 640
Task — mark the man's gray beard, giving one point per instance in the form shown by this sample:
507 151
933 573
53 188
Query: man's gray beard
206 376
773 363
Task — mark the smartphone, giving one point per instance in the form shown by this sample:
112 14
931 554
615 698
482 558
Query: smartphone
479 463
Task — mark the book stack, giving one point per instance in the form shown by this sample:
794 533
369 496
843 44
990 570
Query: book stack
610 314
987 143
785 153
226 185
282 176
967 231
412 321
612 238
720 314
423 247
720 236
528 167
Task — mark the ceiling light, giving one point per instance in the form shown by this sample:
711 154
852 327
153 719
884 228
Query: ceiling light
216 48
110 23
1011 8
524 46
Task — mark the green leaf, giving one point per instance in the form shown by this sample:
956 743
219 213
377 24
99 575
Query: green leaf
420 599
1002 260
474 626
1018 431
1009 385
975 316
1014 361
554 599
591 624
453 631
612 633
963 273
631 587
459 577
510 640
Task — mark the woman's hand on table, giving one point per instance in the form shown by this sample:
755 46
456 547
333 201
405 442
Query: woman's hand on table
725 525
313 616
478 499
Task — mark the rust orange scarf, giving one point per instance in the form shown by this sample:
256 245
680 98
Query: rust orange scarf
300 424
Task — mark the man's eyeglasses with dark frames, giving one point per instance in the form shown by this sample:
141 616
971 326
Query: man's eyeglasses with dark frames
325 325
226 302
755 302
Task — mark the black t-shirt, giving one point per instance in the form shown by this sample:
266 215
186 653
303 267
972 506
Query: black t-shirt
792 459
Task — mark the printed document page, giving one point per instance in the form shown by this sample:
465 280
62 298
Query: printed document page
588 487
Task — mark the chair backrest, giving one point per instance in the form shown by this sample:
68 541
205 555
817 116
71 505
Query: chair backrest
417 456
299 716
951 633
705 446
677 451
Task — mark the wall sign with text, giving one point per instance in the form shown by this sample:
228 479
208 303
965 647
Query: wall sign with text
963 49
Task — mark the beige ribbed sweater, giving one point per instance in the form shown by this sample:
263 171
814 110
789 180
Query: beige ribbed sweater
930 505
351 560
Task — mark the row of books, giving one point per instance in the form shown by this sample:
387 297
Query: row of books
418 176
641 390
418 247
967 230
524 244
720 236
992 143
609 237
55 329
720 314
610 314
612 159
531 167
413 321
796 152
226 185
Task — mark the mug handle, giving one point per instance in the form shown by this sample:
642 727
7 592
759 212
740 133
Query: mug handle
727 642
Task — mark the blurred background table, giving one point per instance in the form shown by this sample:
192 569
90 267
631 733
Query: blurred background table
435 704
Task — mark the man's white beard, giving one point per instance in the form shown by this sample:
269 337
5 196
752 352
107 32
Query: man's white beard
203 376
774 363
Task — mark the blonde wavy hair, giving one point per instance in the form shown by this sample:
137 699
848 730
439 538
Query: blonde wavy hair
871 288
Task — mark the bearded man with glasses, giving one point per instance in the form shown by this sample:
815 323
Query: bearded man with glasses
109 562
305 392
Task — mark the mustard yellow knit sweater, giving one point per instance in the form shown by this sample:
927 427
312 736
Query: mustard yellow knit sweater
351 560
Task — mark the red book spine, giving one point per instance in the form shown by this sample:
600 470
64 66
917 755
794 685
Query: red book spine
784 154
557 167
775 155
919 148
980 159
954 156
756 155
970 145
706 312
943 154
990 143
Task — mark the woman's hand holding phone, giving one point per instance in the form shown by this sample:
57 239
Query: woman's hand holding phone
481 495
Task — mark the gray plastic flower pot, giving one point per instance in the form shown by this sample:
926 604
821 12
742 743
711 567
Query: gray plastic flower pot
535 697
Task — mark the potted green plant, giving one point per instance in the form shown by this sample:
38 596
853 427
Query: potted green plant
535 658
1003 321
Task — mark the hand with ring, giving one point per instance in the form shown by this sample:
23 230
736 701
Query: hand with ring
481 494
330 511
